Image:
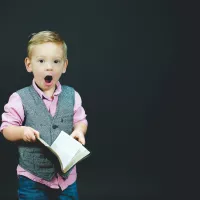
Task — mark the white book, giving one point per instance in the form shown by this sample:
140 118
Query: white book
68 150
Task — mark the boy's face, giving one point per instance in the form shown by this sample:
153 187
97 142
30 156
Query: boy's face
47 62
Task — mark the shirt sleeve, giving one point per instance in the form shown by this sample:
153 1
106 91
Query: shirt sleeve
79 112
13 112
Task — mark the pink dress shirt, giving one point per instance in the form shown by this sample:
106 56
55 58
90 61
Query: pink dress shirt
14 115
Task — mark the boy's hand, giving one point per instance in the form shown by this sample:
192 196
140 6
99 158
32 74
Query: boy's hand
29 134
78 135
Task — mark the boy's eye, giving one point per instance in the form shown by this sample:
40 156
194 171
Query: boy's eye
41 61
56 61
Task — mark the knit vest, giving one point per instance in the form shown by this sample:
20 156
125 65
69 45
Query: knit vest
35 157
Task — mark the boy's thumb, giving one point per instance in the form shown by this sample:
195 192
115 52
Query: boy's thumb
73 134
36 133
82 140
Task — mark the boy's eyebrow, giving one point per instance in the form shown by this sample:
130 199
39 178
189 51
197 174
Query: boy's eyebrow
47 56
39 56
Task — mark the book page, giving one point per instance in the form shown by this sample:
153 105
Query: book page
83 152
68 150
65 147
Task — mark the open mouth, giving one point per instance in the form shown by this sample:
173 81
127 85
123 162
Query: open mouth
48 79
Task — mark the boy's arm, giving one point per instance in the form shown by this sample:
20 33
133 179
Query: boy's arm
81 126
12 120
80 122
79 132
15 133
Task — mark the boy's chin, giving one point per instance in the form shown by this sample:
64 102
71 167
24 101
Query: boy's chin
45 86
49 84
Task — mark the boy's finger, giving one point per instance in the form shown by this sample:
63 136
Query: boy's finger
82 140
33 138
36 133
30 138
73 134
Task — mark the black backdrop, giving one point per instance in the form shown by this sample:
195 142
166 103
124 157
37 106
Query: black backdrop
123 59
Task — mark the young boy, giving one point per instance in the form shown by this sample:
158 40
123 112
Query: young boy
44 109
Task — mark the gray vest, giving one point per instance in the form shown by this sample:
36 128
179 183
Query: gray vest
34 157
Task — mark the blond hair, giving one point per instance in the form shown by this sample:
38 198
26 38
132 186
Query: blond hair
44 37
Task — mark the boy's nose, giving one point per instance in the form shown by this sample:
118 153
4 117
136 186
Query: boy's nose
49 66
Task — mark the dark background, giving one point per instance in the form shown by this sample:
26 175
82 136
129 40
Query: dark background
129 62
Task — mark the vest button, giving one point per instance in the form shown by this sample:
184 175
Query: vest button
54 126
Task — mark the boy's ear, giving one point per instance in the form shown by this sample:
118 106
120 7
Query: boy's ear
65 66
27 62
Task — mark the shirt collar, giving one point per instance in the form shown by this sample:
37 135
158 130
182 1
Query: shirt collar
41 93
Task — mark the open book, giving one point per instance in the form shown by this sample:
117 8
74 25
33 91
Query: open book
68 150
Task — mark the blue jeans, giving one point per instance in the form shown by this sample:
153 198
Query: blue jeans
31 190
